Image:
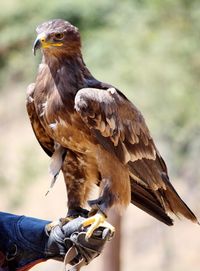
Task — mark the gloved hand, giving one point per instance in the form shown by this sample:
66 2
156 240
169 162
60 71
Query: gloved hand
24 242
69 241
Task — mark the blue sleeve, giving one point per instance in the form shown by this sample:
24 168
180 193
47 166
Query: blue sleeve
21 234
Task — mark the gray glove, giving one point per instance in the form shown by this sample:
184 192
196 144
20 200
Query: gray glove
68 242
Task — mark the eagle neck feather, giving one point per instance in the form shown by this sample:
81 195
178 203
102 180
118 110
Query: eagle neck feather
68 72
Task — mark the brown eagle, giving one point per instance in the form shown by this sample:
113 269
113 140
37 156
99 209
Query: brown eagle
95 135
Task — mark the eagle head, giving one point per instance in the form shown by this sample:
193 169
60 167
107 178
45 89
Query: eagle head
56 36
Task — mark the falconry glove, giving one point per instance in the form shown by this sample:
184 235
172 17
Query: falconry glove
70 242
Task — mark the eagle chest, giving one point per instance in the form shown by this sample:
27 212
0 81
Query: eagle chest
63 125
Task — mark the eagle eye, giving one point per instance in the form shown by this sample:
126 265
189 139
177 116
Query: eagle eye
58 36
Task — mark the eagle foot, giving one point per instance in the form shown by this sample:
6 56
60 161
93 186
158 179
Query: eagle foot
71 214
96 221
52 225
60 222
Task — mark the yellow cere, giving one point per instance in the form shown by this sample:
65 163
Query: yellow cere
49 44
45 44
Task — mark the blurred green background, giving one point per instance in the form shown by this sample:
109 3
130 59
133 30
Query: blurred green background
150 51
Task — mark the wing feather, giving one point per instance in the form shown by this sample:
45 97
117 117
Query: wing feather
45 141
121 129
55 151
118 120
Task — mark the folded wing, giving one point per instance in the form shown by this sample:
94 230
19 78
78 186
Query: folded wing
120 127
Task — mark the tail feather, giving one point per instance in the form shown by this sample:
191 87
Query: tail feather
160 202
175 204
147 201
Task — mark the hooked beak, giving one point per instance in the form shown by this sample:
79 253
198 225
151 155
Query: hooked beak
43 42
38 43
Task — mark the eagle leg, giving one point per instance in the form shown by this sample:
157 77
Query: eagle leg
96 221
99 207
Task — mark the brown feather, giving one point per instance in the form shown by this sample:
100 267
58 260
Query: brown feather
146 200
45 141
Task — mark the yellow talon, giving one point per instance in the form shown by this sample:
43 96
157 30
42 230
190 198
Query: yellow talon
96 221
65 220
60 222
52 225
